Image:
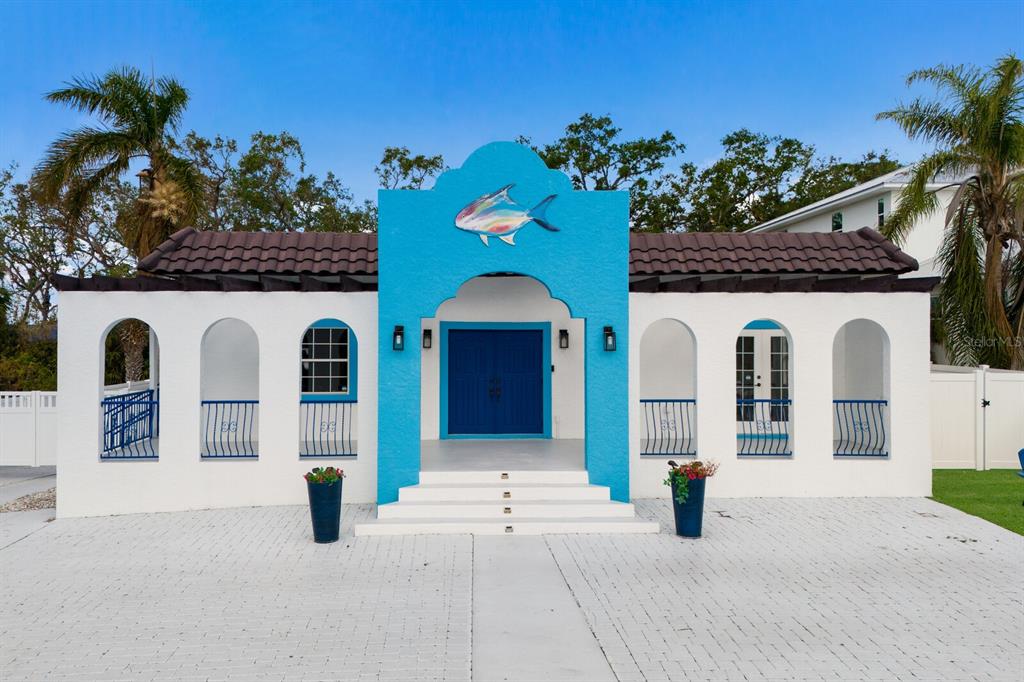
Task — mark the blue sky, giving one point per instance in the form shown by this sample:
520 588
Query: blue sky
350 78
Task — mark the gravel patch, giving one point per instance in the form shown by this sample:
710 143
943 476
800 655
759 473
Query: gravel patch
47 499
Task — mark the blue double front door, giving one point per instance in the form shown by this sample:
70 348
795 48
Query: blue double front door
496 382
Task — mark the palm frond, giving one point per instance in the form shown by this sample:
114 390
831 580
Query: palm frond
85 94
80 152
170 104
916 200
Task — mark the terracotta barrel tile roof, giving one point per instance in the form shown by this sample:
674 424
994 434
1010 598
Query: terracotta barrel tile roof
716 253
190 252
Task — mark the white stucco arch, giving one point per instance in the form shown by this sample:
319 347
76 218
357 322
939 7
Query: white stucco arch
668 390
861 376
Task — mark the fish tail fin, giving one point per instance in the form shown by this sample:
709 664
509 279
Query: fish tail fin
537 213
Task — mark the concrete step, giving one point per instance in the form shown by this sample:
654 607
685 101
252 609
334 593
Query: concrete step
501 491
504 476
538 526
529 509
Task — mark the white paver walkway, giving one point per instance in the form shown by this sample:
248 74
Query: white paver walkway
526 624
777 589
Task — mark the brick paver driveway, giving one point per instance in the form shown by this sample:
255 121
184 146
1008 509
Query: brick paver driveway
777 589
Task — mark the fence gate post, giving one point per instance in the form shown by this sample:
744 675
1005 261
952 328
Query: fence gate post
35 427
980 403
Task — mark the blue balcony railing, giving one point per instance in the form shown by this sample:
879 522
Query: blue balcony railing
230 428
859 428
327 428
131 424
669 427
763 427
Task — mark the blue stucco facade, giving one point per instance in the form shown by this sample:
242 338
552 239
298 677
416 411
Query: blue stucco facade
424 259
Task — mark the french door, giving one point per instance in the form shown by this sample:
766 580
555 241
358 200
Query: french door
763 386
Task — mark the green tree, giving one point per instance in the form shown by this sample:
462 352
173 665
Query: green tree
977 128
749 184
593 154
137 119
32 250
267 188
825 177
399 169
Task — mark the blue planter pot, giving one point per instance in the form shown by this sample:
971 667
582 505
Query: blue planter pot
325 510
690 514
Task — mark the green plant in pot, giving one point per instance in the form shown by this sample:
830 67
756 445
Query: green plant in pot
687 482
324 487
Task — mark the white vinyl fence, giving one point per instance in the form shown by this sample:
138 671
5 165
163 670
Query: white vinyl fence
28 428
977 417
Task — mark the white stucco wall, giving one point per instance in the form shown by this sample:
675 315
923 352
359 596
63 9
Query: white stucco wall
510 299
180 480
812 320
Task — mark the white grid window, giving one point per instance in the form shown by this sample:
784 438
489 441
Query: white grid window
325 360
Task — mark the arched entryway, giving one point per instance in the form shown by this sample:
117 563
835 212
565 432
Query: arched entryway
502 361
764 380
130 396
668 390
860 390
230 390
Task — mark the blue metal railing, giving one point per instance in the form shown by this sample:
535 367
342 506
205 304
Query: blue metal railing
670 425
130 424
859 428
763 426
229 428
328 428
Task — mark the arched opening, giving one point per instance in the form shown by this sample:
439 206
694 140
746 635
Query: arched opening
668 390
329 365
129 406
764 380
860 390
502 360
229 390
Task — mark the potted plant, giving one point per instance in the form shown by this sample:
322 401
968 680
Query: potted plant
324 486
687 483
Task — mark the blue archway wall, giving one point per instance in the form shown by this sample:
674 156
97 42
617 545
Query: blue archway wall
424 259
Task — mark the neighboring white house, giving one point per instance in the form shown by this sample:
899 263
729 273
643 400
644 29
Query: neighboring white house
869 205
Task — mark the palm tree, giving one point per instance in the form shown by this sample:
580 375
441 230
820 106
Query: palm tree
138 116
977 129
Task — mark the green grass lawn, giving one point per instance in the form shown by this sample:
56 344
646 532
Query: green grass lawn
995 496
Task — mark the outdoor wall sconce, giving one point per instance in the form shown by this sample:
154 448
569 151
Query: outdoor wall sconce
398 338
428 338
609 338
563 338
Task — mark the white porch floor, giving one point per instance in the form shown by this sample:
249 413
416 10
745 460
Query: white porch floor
494 455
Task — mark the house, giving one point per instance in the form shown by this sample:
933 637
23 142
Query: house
503 356
868 205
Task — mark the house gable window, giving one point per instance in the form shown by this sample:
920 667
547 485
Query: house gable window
328 361
837 221
881 212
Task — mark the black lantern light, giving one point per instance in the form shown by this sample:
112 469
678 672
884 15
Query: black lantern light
563 338
428 338
609 339
398 338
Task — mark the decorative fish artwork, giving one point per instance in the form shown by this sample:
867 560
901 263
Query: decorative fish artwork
498 215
